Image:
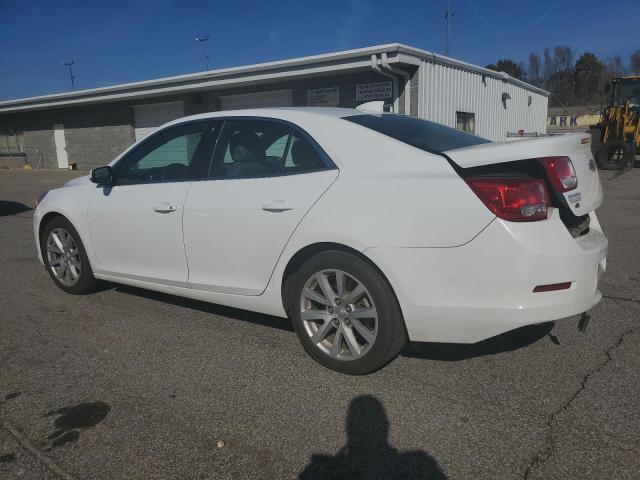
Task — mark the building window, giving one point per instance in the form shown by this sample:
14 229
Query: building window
466 122
11 141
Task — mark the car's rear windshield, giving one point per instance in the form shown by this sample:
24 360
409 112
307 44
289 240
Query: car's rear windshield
428 136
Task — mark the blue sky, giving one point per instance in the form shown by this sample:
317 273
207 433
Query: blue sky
117 41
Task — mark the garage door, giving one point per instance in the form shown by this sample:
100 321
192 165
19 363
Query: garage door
275 98
149 117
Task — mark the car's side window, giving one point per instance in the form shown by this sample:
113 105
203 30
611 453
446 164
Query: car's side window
247 149
260 148
172 155
301 156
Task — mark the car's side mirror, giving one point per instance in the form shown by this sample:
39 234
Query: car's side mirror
102 176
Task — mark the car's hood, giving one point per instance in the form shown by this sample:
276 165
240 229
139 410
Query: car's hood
76 182
584 199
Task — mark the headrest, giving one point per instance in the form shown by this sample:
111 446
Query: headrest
246 146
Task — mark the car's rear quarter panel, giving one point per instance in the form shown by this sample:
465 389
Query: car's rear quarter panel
389 194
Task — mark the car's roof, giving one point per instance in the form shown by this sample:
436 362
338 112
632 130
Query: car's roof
284 113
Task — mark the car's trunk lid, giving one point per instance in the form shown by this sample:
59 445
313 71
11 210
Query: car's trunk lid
582 200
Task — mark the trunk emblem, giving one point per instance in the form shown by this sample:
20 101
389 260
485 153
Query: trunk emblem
574 199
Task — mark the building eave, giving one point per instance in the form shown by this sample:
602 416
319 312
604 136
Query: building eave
336 62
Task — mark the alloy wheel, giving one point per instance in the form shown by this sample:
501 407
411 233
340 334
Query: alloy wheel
338 314
63 257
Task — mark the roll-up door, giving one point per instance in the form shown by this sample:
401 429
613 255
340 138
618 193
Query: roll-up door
149 117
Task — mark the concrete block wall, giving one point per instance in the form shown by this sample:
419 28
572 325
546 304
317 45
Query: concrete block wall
95 135
39 145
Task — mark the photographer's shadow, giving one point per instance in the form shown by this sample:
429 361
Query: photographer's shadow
367 454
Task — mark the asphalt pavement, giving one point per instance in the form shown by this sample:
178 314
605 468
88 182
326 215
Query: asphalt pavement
126 383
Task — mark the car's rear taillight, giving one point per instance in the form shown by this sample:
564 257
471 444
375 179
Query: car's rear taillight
561 173
513 199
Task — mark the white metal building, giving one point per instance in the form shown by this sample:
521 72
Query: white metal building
90 127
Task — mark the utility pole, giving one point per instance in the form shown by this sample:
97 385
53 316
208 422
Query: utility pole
204 39
70 65
447 18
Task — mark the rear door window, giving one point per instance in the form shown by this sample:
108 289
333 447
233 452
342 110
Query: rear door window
263 148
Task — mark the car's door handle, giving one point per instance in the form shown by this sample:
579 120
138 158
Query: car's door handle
164 208
277 206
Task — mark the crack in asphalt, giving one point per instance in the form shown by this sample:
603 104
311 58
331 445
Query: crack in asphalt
45 460
622 299
544 453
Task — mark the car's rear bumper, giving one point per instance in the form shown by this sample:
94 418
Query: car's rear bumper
483 288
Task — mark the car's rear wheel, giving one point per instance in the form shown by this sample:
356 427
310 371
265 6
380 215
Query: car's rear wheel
65 257
346 314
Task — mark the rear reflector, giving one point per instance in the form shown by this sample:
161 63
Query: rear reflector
514 199
552 287
585 140
561 173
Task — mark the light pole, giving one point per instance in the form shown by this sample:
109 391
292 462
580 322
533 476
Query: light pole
70 65
204 39
448 14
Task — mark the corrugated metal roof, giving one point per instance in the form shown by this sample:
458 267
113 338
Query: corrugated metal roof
251 74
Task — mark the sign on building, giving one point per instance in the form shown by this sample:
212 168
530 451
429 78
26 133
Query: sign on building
373 91
323 97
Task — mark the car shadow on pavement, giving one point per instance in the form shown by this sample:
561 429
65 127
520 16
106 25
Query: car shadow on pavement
506 342
12 208
367 454
214 309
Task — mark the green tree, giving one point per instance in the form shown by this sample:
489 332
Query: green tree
516 70
588 79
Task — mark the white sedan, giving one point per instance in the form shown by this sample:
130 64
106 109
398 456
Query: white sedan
366 230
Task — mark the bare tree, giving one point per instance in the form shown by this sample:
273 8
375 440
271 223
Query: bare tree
615 67
564 57
634 63
559 74
534 72
550 66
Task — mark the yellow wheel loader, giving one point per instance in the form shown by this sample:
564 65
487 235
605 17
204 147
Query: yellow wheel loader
620 125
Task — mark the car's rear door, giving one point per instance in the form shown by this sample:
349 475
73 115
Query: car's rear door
136 224
265 176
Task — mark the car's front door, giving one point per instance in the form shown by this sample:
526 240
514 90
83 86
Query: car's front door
136 224
265 177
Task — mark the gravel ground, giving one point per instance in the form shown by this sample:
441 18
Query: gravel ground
126 383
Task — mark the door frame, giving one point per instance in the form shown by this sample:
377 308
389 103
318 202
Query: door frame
61 146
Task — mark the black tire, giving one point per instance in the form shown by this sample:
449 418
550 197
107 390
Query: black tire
86 282
605 153
391 334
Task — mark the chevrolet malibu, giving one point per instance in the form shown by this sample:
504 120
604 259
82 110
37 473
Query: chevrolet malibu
365 229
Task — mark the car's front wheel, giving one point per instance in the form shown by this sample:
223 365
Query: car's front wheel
65 257
346 314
